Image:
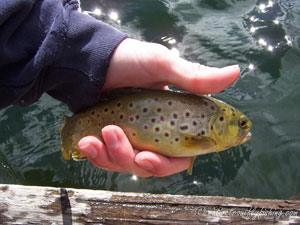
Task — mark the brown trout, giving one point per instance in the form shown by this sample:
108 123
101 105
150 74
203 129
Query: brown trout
171 123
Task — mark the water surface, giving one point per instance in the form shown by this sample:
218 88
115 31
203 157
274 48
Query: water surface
261 36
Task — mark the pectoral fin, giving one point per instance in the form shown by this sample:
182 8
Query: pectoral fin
190 169
197 143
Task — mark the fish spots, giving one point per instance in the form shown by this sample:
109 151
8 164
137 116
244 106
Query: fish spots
212 108
170 103
121 116
202 116
137 117
194 123
99 125
131 119
145 110
221 118
167 134
130 105
153 120
233 111
172 122
158 109
156 140
175 115
177 139
187 114
119 105
157 129
202 132
133 134
162 118
184 127
105 110
156 99
146 127
93 113
112 112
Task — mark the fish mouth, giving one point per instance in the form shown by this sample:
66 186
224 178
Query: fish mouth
246 137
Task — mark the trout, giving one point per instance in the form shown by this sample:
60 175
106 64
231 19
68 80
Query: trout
172 123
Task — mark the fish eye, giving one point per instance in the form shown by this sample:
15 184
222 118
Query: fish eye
243 123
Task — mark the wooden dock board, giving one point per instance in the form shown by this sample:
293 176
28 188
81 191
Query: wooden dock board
48 205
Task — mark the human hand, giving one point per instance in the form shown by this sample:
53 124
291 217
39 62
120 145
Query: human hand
149 65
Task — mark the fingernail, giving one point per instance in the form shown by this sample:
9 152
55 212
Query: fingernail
232 67
89 150
146 165
112 141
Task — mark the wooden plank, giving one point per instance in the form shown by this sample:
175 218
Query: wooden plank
48 205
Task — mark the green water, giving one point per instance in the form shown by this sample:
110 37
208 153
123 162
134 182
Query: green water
261 36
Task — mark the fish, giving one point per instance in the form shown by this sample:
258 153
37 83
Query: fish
172 123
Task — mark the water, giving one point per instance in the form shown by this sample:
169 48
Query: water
261 36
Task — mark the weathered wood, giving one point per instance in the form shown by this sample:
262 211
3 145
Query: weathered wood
48 205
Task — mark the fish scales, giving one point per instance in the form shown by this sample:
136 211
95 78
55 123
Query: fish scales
171 123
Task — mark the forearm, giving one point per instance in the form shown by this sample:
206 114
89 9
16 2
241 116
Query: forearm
48 46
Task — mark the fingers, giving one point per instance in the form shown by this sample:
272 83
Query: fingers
116 155
160 165
198 78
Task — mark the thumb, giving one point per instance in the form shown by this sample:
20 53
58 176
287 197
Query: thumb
197 78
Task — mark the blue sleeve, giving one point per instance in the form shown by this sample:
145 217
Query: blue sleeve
48 46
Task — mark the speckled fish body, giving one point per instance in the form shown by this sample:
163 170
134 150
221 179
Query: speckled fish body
171 123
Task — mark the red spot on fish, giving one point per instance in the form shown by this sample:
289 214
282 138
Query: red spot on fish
131 119
145 127
162 118
133 134
202 132
166 134
157 129
99 124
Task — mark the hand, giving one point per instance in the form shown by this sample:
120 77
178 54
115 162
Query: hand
149 65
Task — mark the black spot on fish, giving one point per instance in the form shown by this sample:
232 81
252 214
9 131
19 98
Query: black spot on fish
176 139
106 109
119 104
156 140
172 123
145 110
175 116
137 117
153 120
202 132
130 105
159 110
187 114
194 123
212 108
184 127
121 116
157 129
170 103
202 116
221 118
